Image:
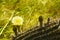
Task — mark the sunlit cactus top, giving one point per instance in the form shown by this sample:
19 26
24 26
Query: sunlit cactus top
17 20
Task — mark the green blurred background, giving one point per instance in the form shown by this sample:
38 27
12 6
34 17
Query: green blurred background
30 10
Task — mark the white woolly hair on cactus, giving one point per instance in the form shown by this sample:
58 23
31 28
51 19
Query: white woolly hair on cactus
17 20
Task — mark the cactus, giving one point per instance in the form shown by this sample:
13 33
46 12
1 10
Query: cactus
49 32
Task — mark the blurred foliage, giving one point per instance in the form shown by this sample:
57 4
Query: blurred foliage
30 10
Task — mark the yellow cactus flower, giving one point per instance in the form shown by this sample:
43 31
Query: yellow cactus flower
17 20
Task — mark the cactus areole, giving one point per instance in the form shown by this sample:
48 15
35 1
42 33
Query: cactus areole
17 20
